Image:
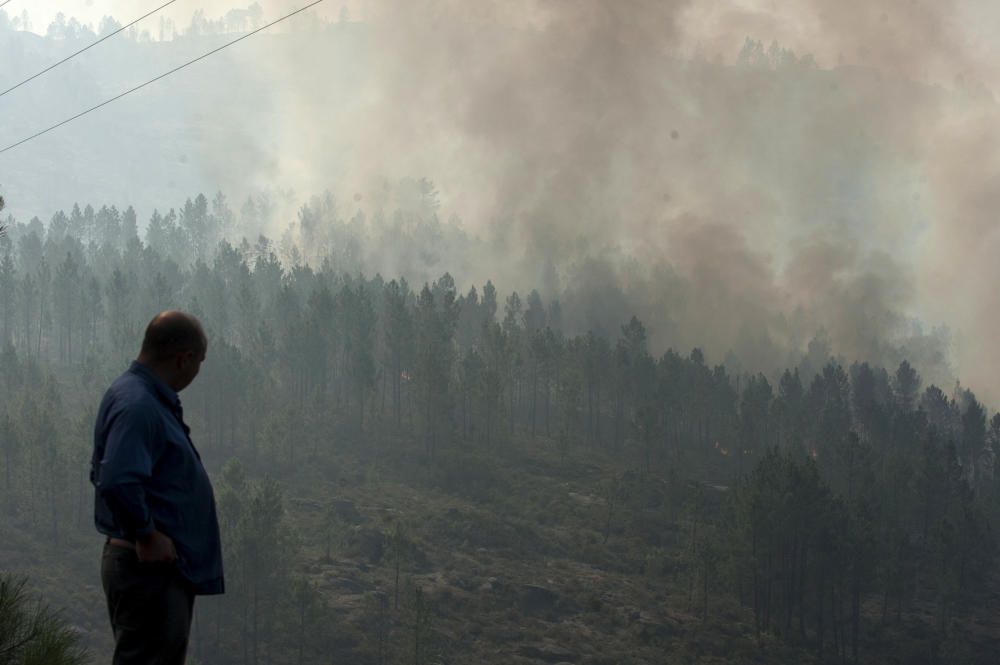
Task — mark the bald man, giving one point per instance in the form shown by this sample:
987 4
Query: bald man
154 501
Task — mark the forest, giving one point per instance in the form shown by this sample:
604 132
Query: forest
664 373
434 473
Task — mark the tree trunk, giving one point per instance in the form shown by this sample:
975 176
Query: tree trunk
590 410
801 592
756 585
855 621
361 411
534 402
704 610
820 612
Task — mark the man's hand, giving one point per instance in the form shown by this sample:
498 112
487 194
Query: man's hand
156 548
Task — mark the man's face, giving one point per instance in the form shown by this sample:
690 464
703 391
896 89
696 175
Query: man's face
188 365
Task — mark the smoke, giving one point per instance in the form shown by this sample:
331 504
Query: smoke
527 111
929 68
740 206
643 157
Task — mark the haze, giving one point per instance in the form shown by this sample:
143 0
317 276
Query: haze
616 131
540 330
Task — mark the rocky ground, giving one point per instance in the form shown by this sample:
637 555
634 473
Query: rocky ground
513 565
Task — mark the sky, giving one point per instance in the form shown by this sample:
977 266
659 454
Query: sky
42 12
708 24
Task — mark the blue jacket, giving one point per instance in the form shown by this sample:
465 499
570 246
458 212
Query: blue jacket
147 474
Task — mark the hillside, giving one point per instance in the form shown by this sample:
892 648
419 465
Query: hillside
582 351
516 560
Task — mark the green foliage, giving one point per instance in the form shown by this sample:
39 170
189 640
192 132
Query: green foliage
423 650
377 605
802 499
30 633
399 549
261 551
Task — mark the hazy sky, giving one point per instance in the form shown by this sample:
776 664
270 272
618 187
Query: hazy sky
896 28
41 12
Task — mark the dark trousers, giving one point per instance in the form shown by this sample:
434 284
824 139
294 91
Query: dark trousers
150 607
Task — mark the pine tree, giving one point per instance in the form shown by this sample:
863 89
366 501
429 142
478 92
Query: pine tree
30 632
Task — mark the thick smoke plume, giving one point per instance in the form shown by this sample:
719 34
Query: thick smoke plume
631 158
740 175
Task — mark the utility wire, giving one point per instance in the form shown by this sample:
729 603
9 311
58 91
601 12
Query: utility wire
154 80
5 2
85 48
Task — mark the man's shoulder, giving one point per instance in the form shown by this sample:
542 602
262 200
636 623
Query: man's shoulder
130 393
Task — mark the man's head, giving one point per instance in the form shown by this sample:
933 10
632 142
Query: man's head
174 347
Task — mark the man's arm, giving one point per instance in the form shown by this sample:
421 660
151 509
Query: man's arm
132 445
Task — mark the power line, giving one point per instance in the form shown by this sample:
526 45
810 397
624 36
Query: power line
154 80
5 2
85 48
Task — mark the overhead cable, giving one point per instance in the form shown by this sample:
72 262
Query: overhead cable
85 48
154 80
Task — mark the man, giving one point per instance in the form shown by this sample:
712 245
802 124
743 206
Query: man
154 501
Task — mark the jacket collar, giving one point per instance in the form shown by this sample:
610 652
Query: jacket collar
167 394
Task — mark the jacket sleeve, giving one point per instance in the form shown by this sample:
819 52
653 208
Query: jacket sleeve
133 444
